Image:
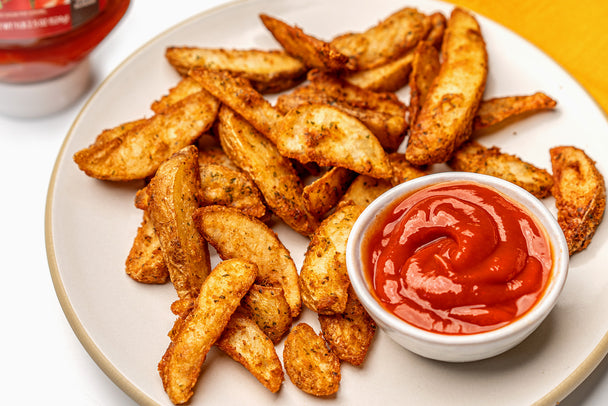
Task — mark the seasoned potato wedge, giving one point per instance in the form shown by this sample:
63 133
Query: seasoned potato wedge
349 334
435 35
446 116
236 235
244 342
222 185
389 77
499 109
267 306
268 71
272 173
325 192
174 192
382 113
386 41
219 297
425 68
310 365
580 195
145 262
239 95
323 278
138 152
474 157
118 131
184 88
313 52
364 190
403 170
326 135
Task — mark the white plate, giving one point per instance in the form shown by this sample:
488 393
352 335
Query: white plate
90 225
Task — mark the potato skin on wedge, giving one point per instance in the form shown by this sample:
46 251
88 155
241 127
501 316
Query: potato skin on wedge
323 278
445 118
247 344
580 195
236 235
219 297
145 262
174 192
267 306
310 365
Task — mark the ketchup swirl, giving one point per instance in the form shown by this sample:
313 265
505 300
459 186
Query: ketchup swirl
457 258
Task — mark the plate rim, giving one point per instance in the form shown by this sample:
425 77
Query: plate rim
558 393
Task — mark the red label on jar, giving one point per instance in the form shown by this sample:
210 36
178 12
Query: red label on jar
31 19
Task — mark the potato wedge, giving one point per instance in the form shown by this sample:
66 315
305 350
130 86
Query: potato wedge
389 77
403 170
219 297
174 192
145 262
446 116
137 153
474 157
323 278
236 235
247 344
435 35
326 135
425 68
239 95
313 52
580 195
386 41
349 334
382 113
225 186
364 190
184 88
310 365
499 109
118 131
267 306
269 71
325 192
272 173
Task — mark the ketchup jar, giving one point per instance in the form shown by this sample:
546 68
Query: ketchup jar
44 46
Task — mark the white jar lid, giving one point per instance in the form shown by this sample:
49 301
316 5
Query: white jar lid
46 97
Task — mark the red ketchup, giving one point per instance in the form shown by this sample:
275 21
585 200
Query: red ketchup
457 258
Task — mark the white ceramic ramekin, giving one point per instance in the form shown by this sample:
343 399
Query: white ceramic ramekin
458 348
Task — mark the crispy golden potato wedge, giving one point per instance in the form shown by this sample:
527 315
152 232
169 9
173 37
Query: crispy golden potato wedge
403 170
247 344
138 152
211 152
184 88
324 134
267 306
386 41
364 190
313 52
236 235
349 334
435 35
474 157
499 109
219 297
325 192
269 71
310 365
174 192
272 173
225 186
425 68
446 116
389 77
580 195
239 95
118 131
145 262
382 113
323 278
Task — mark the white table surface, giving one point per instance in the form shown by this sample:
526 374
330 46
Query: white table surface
42 360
